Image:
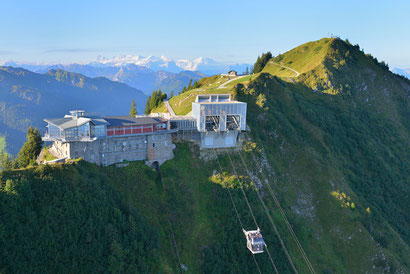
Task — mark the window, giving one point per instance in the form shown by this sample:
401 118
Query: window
211 123
233 122
84 130
53 130
153 144
100 131
71 132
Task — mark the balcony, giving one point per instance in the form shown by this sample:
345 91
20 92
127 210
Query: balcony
51 138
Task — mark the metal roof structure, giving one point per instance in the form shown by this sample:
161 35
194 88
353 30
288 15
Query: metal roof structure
67 122
213 98
128 120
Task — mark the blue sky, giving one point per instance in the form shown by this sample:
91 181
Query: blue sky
228 31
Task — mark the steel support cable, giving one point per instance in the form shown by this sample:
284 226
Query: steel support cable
230 195
270 219
241 187
257 266
289 226
305 257
236 210
271 260
250 209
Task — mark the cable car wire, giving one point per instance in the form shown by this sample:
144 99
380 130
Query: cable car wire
250 209
271 260
285 218
269 216
236 210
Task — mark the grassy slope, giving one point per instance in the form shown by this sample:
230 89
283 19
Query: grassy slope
303 58
333 66
182 103
313 157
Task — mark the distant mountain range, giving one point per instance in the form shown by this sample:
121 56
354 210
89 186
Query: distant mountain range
26 98
402 71
144 73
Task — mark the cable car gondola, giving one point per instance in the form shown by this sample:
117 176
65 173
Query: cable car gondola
255 242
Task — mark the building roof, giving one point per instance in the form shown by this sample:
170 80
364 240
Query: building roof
69 121
127 120
215 99
201 98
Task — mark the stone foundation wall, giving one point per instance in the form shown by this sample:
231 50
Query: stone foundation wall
160 148
107 151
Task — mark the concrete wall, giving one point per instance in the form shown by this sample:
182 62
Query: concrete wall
218 140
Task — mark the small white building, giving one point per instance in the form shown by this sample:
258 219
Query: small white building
232 73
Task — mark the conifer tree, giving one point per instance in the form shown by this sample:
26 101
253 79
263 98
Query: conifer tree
147 106
171 94
189 85
31 148
261 62
133 110
7 163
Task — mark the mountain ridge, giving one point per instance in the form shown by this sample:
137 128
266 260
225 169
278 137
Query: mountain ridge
335 156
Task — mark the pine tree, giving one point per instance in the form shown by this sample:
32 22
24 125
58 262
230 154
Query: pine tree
7 163
31 148
196 84
133 110
247 71
261 62
147 106
189 85
171 94
2 159
184 89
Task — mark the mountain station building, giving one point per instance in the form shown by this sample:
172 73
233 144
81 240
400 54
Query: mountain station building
215 122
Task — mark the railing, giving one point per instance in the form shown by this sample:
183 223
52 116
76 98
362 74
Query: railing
47 138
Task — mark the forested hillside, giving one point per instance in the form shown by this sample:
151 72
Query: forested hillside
328 152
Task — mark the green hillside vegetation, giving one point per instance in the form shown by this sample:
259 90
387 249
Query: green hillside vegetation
182 103
356 141
330 144
303 58
120 219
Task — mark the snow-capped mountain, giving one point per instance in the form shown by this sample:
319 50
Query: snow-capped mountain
144 73
205 65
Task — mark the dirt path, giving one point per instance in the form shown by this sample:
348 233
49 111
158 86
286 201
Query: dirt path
297 73
169 108
227 82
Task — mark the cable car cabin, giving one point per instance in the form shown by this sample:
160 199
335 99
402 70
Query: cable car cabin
255 242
